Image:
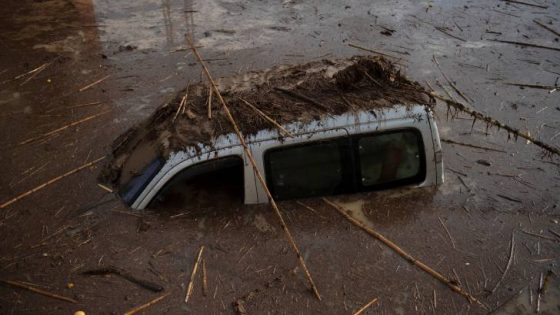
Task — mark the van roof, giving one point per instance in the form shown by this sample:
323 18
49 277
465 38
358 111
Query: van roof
290 95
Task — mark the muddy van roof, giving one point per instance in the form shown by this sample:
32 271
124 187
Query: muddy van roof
294 95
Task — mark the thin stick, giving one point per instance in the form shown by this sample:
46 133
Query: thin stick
38 291
441 29
533 86
363 308
445 227
301 97
524 44
107 189
554 232
111 270
449 80
471 145
528 4
39 68
37 71
72 124
204 278
49 182
510 260
372 51
193 274
144 306
548 28
257 172
406 256
265 116
492 121
209 102
541 236
539 293
182 104
94 83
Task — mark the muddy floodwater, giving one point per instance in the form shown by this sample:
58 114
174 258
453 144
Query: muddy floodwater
75 75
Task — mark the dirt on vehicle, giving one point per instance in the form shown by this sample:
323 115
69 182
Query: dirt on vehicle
287 94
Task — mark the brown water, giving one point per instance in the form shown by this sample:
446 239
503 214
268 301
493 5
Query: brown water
74 225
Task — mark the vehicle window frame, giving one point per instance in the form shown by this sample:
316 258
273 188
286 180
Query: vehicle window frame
352 164
418 178
199 163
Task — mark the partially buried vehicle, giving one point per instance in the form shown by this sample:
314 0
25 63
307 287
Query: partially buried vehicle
323 128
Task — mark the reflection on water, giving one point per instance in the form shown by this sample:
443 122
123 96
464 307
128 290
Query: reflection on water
145 24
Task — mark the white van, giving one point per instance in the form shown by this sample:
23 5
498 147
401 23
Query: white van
353 152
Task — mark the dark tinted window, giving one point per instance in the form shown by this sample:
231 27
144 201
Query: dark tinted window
345 165
393 157
134 187
211 183
306 170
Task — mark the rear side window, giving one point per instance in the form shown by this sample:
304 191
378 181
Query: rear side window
347 164
308 170
390 158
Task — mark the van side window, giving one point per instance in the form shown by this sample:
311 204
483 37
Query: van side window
308 170
210 183
391 158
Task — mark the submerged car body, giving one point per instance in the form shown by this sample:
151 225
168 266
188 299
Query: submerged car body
353 152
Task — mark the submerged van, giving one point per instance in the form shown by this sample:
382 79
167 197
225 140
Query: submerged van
353 152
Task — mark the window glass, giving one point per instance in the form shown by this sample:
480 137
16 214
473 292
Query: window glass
211 183
390 157
305 171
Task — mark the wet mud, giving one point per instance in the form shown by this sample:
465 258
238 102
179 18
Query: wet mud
136 53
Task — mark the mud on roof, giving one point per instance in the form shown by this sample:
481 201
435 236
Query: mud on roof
287 94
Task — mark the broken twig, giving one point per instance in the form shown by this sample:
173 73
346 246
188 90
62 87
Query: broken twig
442 29
373 51
125 275
72 124
363 308
524 44
471 145
548 28
540 236
204 278
182 104
489 120
301 97
266 117
533 86
209 102
49 182
510 260
527 4
144 306
445 227
449 80
539 292
93 84
193 274
38 291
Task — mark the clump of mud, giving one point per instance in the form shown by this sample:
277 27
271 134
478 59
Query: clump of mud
288 94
